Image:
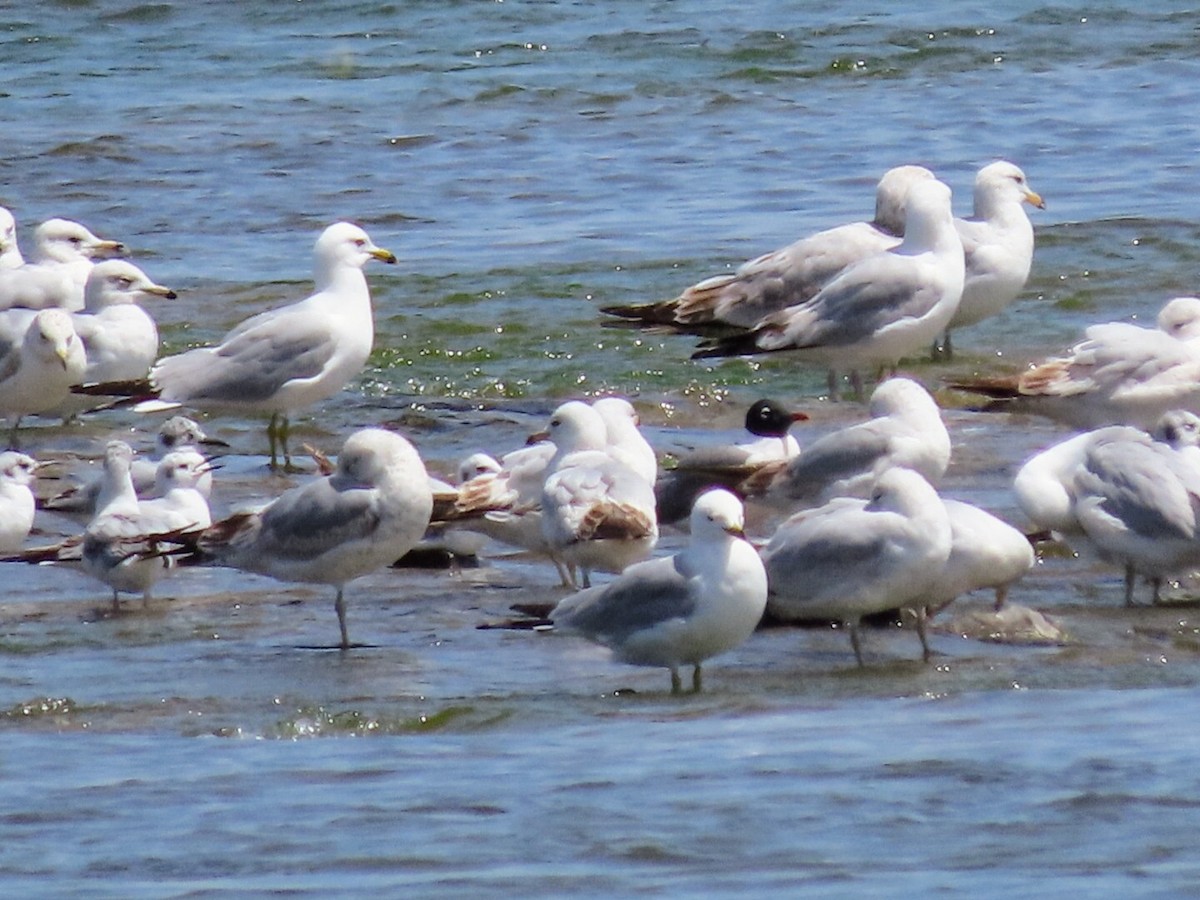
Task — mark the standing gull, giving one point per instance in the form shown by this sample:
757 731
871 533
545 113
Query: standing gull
125 545
681 610
121 546
283 359
504 499
985 552
1138 502
998 246
852 558
371 511
879 309
597 512
788 276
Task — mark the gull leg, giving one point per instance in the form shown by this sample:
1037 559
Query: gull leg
13 441
1001 597
1156 583
835 384
856 383
852 627
947 348
116 606
676 681
564 574
271 439
922 633
285 429
696 679
1130 579
339 604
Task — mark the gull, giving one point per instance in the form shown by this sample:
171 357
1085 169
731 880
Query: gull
1045 483
503 499
597 512
36 372
879 309
10 251
56 276
119 336
788 276
681 610
125 545
852 558
1119 374
371 511
905 429
176 433
17 505
985 552
1137 502
769 441
121 546
283 359
998 246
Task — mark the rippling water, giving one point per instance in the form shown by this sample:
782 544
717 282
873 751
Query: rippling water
528 162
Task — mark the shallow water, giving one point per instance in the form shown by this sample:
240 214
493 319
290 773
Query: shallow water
529 162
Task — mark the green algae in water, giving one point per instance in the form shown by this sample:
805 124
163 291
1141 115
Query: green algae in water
318 721
42 707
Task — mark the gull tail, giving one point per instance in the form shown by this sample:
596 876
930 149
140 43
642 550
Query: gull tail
134 388
998 387
645 314
742 344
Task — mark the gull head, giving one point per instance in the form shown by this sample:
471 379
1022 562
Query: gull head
575 426
1180 318
17 468
903 491
180 469
1178 428
52 336
372 455
1001 182
64 241
477 464
345 244
900 396
116 281
179 432
8 232
770 418
716 513
118 458
891 196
